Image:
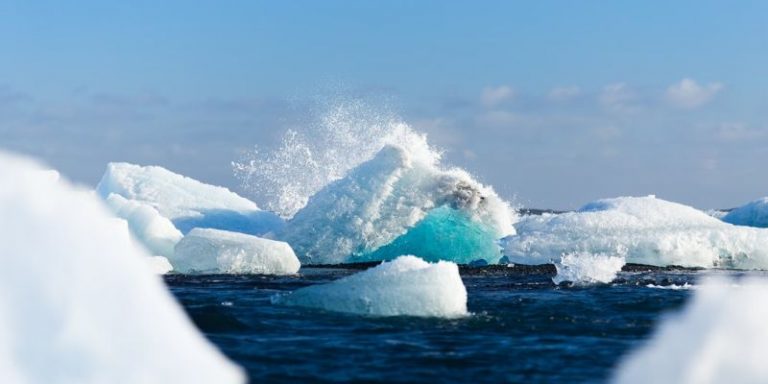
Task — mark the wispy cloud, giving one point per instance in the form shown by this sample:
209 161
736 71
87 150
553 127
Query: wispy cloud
564 93
493 96
618 97
689 94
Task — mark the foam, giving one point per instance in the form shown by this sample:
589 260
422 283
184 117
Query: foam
587 268
643 230
406 286
78 301
217 251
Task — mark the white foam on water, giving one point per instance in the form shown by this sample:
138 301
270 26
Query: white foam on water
217 251
586 268
643 230
719 337
406 286
78 301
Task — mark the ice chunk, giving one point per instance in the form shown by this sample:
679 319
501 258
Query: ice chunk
78 303
154 231
217 251
188 203
753 214
403 200
587 268
719 337
159 265
643 230
406 286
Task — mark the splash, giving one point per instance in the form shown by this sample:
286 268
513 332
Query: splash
585 268
347 134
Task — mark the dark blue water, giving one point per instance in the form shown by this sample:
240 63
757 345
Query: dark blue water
523 328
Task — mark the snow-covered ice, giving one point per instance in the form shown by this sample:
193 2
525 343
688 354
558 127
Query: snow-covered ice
719 337
154 231
217 251
587 268
406 286
753 214
78 301
643 230
401 202
188 203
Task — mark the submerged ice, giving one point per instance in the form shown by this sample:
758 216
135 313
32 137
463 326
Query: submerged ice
78 301
405 286
217 251
643 230
401 202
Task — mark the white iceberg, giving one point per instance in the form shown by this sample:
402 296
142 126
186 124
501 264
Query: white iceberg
752 214
151 229
406 286
401 202
719 337
188 203
217 251
78 302
587 268
643 230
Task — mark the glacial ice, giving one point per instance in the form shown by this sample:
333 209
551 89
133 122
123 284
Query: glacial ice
643 230
78 302
188 203
587 268
155 232
159 264
719 337
405 286
752 214
217 251
401 202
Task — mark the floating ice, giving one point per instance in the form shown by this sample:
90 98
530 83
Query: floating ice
406 286
159 264
188 203
587 268
643 230
78 302
154 231
720 337
217 251
753 214
401 202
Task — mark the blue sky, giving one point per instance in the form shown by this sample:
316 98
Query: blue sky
556 103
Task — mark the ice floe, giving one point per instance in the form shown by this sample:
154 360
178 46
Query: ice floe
753 214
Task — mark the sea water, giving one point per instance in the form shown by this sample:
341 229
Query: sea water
523 327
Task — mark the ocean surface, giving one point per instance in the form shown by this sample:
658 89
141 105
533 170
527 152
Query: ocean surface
523 328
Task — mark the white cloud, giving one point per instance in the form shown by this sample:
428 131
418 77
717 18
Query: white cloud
493 96
564 93
618 97
689 94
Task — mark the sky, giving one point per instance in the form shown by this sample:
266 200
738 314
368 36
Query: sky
554 103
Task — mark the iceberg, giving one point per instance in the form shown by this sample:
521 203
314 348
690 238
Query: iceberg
401 202
643 230
155 232
78 302
188 203
586 268
752 214
405 286
719 337
217 251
